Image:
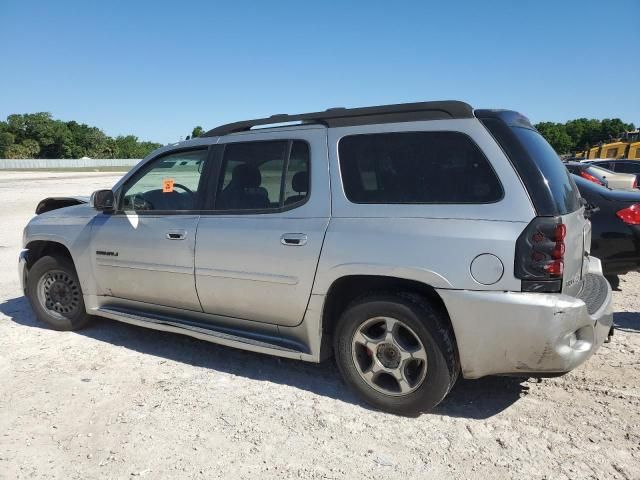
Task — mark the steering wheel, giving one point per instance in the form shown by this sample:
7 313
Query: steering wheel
138 202
186 189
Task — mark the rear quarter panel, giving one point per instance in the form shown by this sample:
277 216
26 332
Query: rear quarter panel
434 251
434 244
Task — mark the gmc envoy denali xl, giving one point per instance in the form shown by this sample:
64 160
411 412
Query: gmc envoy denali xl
411 242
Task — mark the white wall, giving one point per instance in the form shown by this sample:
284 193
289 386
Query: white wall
66 163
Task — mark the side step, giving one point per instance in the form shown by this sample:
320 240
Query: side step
254 342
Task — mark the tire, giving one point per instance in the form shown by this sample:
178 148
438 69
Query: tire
365 367
54 291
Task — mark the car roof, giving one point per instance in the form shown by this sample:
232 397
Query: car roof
341 117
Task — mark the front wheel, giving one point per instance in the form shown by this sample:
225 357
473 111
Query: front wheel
55 294
396 352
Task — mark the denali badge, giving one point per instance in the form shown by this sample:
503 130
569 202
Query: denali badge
107 254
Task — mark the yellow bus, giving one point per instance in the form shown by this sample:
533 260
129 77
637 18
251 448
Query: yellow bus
593 152
633 151
613 150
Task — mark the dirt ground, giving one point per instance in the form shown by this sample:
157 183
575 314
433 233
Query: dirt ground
118 401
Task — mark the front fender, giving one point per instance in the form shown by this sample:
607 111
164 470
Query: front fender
73 233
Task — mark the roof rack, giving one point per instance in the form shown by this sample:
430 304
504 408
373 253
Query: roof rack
343 117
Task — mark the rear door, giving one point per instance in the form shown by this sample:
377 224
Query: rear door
258 247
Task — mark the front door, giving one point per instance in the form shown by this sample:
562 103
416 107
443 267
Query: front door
145 250
257 251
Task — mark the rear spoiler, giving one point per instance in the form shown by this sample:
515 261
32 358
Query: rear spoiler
54 203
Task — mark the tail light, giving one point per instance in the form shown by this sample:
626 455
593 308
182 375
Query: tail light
635 183
630 215
540 250
586 175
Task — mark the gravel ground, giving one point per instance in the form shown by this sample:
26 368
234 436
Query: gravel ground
117 401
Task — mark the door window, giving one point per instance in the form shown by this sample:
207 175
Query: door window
170 183
263 176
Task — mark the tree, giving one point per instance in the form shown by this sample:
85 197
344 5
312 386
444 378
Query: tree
129 147
556 134
582 133
613 127
27 149
39 135
197 131
6 140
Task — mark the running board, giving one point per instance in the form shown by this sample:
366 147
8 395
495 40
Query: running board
254 342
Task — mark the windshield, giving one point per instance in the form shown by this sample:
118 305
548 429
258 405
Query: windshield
563 189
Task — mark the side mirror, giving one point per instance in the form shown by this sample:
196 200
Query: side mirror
102 200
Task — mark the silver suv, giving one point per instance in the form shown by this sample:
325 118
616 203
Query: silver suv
411 242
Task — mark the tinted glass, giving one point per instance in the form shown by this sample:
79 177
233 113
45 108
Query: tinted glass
416 167
296 185
574 168
627 167
565 193
608 165
260 175
170 183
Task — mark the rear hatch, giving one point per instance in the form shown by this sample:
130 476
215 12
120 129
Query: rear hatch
557 201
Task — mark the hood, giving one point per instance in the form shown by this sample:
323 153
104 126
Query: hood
78 210
55 203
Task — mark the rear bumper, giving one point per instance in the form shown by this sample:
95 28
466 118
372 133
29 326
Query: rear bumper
22 269
527 333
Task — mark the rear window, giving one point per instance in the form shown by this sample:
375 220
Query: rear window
562 187
416 168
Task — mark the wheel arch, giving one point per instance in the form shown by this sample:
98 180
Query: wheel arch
40 248
344 290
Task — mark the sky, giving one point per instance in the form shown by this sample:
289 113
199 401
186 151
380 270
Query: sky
156 69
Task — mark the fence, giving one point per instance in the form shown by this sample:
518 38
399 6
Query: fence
34 163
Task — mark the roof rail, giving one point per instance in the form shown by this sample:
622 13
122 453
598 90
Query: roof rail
343 117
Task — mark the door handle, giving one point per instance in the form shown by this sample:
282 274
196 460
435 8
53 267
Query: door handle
294 239
176 235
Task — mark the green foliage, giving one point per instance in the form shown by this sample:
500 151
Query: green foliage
38 135
6 140
130 147
27 149
556 134
582 133
197 131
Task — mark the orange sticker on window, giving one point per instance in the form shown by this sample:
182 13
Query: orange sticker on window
167 185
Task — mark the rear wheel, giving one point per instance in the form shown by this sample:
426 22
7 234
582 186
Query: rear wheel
55 294
396 352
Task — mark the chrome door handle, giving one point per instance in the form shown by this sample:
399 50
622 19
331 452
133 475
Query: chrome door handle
294 239
176 235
